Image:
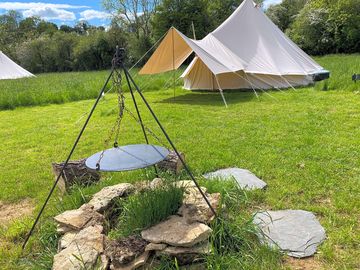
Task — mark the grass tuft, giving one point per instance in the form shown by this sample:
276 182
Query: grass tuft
148 208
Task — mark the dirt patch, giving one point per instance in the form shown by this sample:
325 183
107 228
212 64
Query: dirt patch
12 211
125 250
304 264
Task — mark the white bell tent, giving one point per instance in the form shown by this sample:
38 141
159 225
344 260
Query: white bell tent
10 70
247 51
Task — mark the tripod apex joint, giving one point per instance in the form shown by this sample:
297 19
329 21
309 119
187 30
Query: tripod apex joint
119 57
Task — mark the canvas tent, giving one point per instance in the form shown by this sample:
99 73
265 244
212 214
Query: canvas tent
11 70
247 51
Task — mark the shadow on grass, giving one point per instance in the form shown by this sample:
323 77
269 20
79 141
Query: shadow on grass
210 98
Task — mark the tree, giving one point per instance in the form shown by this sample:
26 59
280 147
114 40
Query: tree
11 20
93 51
284 14
133 14
328 26
181 14
64 44
37 55
345 17
45 27
82 27
9 34
220 10
28 27
66 28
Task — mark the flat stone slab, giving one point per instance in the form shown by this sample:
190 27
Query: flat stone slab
101 200
83 251
175 231
78 219
296 232
246 179
186 256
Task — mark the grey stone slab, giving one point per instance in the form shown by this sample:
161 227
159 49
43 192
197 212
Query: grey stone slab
296 232
175 231
246 179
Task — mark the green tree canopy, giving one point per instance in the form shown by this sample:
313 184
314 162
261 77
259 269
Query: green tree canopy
181 14
328 26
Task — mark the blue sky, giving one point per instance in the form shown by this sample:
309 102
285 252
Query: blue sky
59 11
67 11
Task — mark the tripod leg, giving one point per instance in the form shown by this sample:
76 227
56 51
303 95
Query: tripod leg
67 161
169 140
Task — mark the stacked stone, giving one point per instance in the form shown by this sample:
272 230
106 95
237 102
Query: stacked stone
185 236
82 243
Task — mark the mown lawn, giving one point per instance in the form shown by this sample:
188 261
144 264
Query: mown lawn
304 144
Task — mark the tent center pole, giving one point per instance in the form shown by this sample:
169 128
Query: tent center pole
173 58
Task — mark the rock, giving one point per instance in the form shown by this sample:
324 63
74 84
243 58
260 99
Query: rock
75 172
124 251
172 163
186 255
142 186
296 232
66 240
156 183
175 231
83 252
185 184
101 200
195 208
80 218
135 264
60 229
155 247
203 248
246 179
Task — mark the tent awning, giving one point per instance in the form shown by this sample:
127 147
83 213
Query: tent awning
176 48
171 53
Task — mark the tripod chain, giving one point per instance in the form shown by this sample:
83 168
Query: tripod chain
117 84
146 128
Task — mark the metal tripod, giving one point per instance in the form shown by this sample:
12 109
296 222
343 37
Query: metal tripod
118 63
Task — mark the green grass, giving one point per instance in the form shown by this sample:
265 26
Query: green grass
304 144
53 88
342 67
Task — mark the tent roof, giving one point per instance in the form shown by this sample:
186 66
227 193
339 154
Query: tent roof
261 44
246 41
10 70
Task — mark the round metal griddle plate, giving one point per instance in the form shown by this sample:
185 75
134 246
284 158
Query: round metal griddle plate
127 158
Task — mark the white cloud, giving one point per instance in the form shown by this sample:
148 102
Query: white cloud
91 14
267 3
33 5
50 13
